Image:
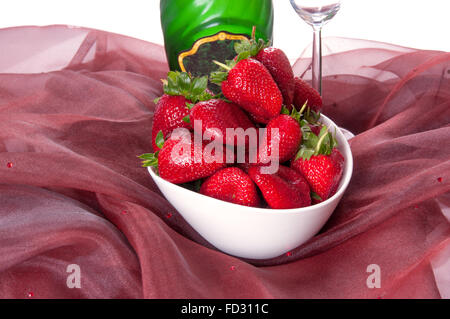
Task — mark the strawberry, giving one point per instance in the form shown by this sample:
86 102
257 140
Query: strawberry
180 90
283 190
276 61
323 173
250 85
305 93
284 131
258 119
169 113
232 185
216 116
320 162
179 162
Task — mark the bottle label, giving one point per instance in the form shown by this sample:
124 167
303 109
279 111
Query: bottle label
219 47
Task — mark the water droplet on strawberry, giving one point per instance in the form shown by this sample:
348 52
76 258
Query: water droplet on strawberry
439 179
9 165
233 268
30 294
124 212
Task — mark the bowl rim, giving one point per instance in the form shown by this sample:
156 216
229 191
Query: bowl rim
348 169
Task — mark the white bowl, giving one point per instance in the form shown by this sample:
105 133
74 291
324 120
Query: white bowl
256 233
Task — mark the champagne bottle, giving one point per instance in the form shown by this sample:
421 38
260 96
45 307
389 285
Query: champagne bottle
196 32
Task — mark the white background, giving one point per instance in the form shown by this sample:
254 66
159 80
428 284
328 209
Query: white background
412 23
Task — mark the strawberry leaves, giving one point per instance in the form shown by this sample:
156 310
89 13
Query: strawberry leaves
296 115
313 145
159 141
316 197
311 116
246 48
151 159
217 77
187 118
192 88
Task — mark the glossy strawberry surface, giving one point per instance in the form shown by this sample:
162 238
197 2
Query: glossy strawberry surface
285 189
281 141
169 113
233 185
250 85
304 92
180 162
217 116
276 61
323 172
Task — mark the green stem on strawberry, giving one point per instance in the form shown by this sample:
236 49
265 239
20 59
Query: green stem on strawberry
296 115
187 118
311 116
253 32
151 159
244 49
182 83
321 139
313 145
221 75
303 108
316 197
249 48
226 67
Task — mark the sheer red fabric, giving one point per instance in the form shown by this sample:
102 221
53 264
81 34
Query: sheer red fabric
76 109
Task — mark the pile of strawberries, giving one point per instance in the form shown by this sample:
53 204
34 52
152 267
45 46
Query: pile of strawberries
258 90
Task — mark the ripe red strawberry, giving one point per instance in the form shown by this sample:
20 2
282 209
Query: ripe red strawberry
281 141
180 90
216 116
258 119
284 190
169 114
251 86
304 92
323 172
232 185
179 162
276 61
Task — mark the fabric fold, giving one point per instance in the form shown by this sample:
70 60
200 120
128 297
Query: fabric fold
76 109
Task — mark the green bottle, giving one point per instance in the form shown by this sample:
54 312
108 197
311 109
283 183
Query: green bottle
196 32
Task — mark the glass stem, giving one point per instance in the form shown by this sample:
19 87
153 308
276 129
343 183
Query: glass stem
317 59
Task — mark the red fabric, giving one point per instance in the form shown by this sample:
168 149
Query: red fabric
76 109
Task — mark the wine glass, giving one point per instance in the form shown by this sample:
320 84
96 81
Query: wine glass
316 13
